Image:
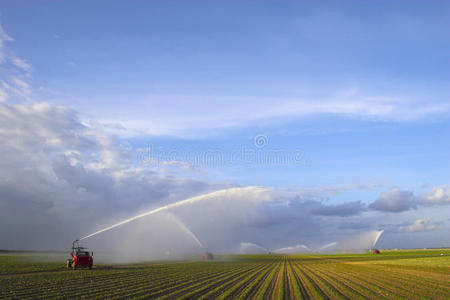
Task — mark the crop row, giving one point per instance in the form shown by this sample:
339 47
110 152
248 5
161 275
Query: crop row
344 280
111 282
259 277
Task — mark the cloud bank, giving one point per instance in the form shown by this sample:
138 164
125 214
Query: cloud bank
395 200
424 224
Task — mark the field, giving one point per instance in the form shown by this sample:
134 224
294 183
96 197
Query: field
419 274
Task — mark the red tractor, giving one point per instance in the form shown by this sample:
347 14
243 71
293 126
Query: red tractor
80 257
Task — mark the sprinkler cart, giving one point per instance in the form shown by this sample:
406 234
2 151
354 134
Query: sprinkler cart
80 257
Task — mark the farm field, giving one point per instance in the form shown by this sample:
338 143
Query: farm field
418 274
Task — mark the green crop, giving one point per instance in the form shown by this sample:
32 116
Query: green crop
394 274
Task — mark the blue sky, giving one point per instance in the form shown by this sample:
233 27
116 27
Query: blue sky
353 94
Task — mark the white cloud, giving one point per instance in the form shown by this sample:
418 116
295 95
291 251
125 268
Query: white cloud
439 195
394 200
4 37
424 224
22 64
62 176
3 96
13 73
397 200
331 190
190 116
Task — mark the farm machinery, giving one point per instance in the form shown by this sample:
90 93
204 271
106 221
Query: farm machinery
80 257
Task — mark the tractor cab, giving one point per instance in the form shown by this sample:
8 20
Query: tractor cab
80 257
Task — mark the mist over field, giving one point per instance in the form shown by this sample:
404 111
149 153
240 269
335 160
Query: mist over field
293 128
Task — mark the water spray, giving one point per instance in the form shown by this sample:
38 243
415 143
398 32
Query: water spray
377 237
178 204
327 246
244 246
185 229
292 249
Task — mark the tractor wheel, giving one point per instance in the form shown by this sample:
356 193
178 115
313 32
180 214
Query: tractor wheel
90 268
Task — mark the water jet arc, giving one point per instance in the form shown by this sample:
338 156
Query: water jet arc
177 204
377 237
